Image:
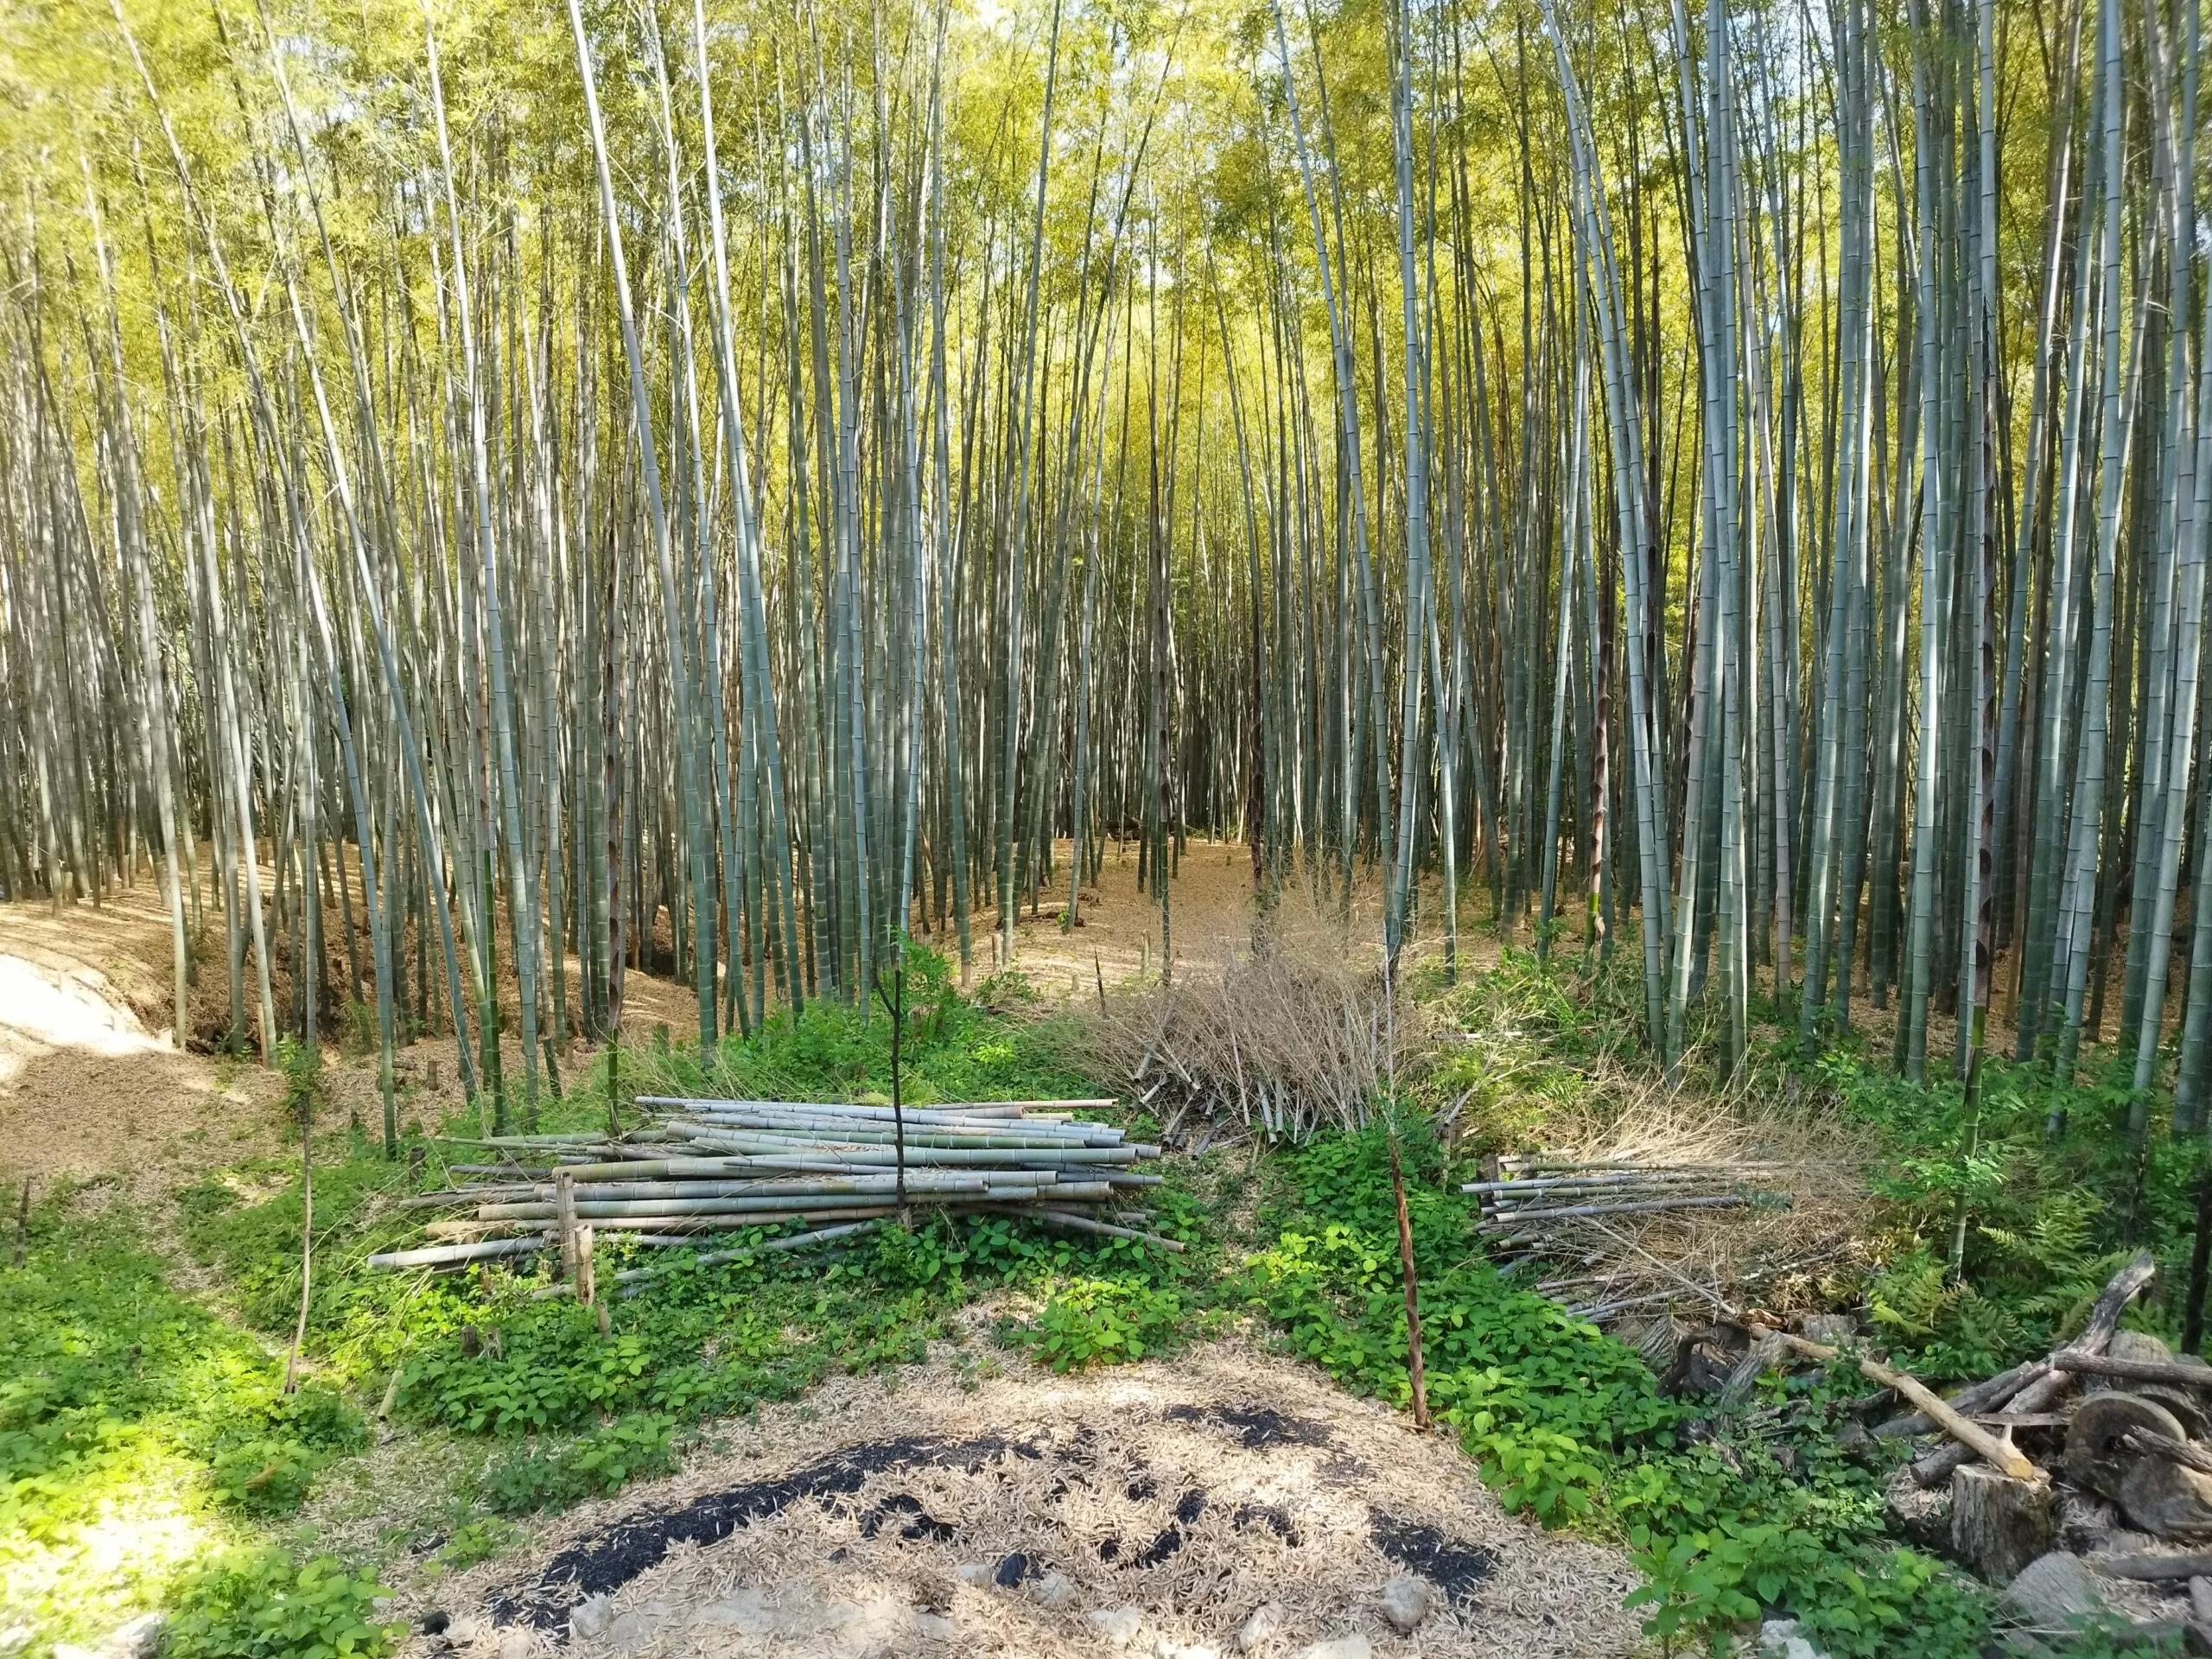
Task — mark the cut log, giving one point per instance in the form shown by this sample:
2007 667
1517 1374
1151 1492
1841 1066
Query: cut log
2098 1456
2157 1569
2186 1404
2168 1499
2040 1394
1999 1524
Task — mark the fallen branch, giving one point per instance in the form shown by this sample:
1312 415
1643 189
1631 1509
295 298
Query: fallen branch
439 1256
1968 1402
2150 1443
2039 1395
2136 1371
2154 1569
2000 1454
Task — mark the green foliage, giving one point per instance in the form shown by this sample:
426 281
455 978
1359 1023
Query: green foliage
260 1604
541 1476
301 1069
1569 1426
2050 1218
1102 1321
477 1541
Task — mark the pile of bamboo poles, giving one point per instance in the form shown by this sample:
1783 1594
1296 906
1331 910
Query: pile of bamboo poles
1540 1208
701 1167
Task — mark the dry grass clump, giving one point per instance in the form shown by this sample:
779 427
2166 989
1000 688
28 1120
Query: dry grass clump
1296 1035
1803 1169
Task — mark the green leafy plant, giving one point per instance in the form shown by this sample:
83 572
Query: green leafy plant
538 1477
1102 1321
476 1540
261 1604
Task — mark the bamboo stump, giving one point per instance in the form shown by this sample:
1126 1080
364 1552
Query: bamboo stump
586 1281
1999 1524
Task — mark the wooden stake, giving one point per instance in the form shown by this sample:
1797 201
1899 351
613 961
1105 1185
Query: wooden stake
307 1239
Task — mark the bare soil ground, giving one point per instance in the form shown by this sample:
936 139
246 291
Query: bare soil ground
1211 911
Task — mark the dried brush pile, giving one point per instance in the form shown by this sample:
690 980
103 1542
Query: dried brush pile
1669 1206
1280 1042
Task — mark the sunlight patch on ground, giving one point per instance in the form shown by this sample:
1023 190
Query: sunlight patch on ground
66 1010
88 1574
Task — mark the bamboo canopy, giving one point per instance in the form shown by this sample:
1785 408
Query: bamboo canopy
715 490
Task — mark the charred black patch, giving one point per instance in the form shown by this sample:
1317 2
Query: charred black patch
1188 1509
1275 1519
602 1562
1453 1566
915 1523
1256 1427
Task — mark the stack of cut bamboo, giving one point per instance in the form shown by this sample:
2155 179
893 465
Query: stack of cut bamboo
706 1165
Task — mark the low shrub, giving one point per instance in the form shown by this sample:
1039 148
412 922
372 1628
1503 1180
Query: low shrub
261 1604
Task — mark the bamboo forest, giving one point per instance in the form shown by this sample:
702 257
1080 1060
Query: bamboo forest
906 788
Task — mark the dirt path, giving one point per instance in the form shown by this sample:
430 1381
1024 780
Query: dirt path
1211 914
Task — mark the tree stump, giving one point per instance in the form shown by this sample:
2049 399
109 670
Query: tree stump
2167 1498
2096 1456
1999 1524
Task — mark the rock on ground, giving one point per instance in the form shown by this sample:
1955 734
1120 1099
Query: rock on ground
1405 1602
1267 1622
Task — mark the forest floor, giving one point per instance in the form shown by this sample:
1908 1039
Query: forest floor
1238 1479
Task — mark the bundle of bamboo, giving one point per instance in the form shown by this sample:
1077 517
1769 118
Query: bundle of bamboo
1547 1210
707 1165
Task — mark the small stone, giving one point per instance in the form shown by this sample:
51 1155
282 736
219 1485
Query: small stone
1012 1570
1116 1626
589 1618
935 1627
2054 1591
1780 1638
976 1572
1262 1626
518 1644
1354 1646
135 1640
436 1624
1195 1650
1829 1328
1406 1601
466 1631
1054 1591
